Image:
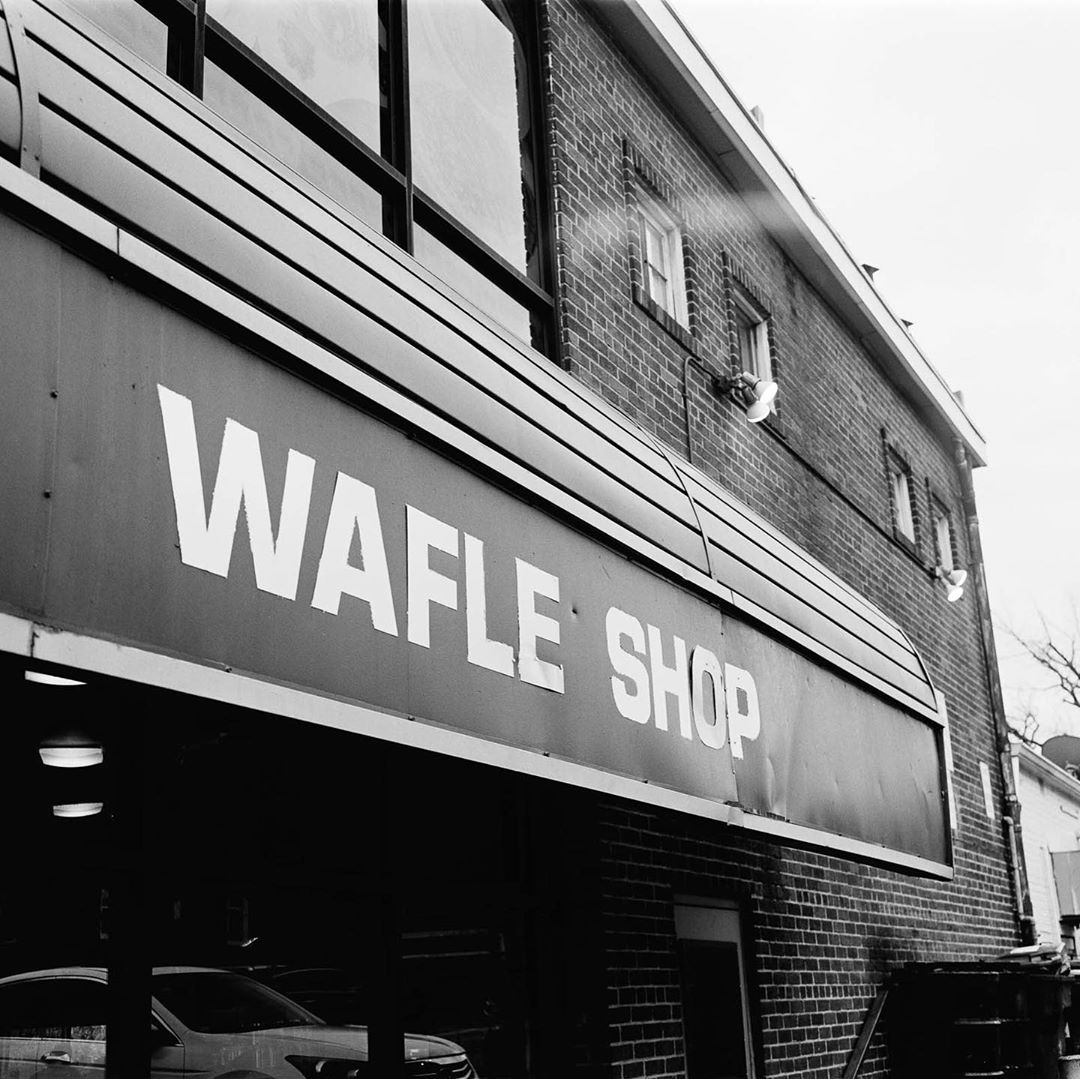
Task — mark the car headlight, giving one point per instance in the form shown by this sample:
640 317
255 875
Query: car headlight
328 1067
319 1067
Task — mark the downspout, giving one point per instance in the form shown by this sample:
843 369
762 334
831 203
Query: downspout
1014 846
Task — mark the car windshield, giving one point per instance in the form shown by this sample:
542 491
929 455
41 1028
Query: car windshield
220 1002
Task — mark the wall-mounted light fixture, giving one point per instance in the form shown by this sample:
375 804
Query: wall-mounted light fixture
952 581
755 394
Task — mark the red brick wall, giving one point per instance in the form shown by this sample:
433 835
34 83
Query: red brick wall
826 929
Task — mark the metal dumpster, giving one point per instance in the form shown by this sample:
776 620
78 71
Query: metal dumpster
976 1019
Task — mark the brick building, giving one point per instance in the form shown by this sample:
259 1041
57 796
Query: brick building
539 704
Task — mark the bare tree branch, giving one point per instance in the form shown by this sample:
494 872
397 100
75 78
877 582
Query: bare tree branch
1026 727
1055 652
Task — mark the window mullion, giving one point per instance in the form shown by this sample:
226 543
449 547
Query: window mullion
199 52
395 134
186 23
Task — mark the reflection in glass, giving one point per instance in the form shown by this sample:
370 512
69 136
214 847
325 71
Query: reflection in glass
221 1002
456 272
328 49
256 119
267 878
466 125
133 26
53 886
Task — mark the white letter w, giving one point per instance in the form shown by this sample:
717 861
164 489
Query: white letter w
207 543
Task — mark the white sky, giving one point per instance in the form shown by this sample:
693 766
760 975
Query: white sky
942 141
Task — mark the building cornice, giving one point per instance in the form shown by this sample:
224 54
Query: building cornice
1034 764
654 37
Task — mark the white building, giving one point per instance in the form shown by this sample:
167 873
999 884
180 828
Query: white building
1050 796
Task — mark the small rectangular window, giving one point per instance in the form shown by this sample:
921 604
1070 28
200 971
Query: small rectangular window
943 536
901 491
752 327
662 254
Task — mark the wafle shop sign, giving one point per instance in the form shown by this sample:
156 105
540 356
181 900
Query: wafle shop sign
283 534
209 510
654 677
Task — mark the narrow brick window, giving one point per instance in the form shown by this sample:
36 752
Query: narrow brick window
662 258
944 538
901 494
752 328
660 247
751 341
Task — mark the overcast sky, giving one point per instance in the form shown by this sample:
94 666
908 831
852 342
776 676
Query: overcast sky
941 141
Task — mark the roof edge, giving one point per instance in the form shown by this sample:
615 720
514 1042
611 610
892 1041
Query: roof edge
654 35
1037 765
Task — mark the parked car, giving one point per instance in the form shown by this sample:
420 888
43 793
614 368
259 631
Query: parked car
204 1022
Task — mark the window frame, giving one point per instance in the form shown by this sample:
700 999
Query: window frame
900 478
749 313
947 557
746 304
654 216
651 199
195 37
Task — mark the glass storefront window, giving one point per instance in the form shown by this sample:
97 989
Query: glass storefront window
327 49
274 896
374 103
464 71
291 146
130 24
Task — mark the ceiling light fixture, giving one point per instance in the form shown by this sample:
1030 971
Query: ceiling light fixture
71 756
78 809
43 679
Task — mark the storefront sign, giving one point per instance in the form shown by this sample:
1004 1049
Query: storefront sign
207 504
710 700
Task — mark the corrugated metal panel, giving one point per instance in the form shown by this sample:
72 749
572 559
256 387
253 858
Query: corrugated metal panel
9 94
7 61
186 180
760 564
9 113
28 409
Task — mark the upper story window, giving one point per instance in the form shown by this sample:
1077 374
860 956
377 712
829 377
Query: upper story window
659 248
662 257
901 492
420 117
752 328
944 539
751 346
